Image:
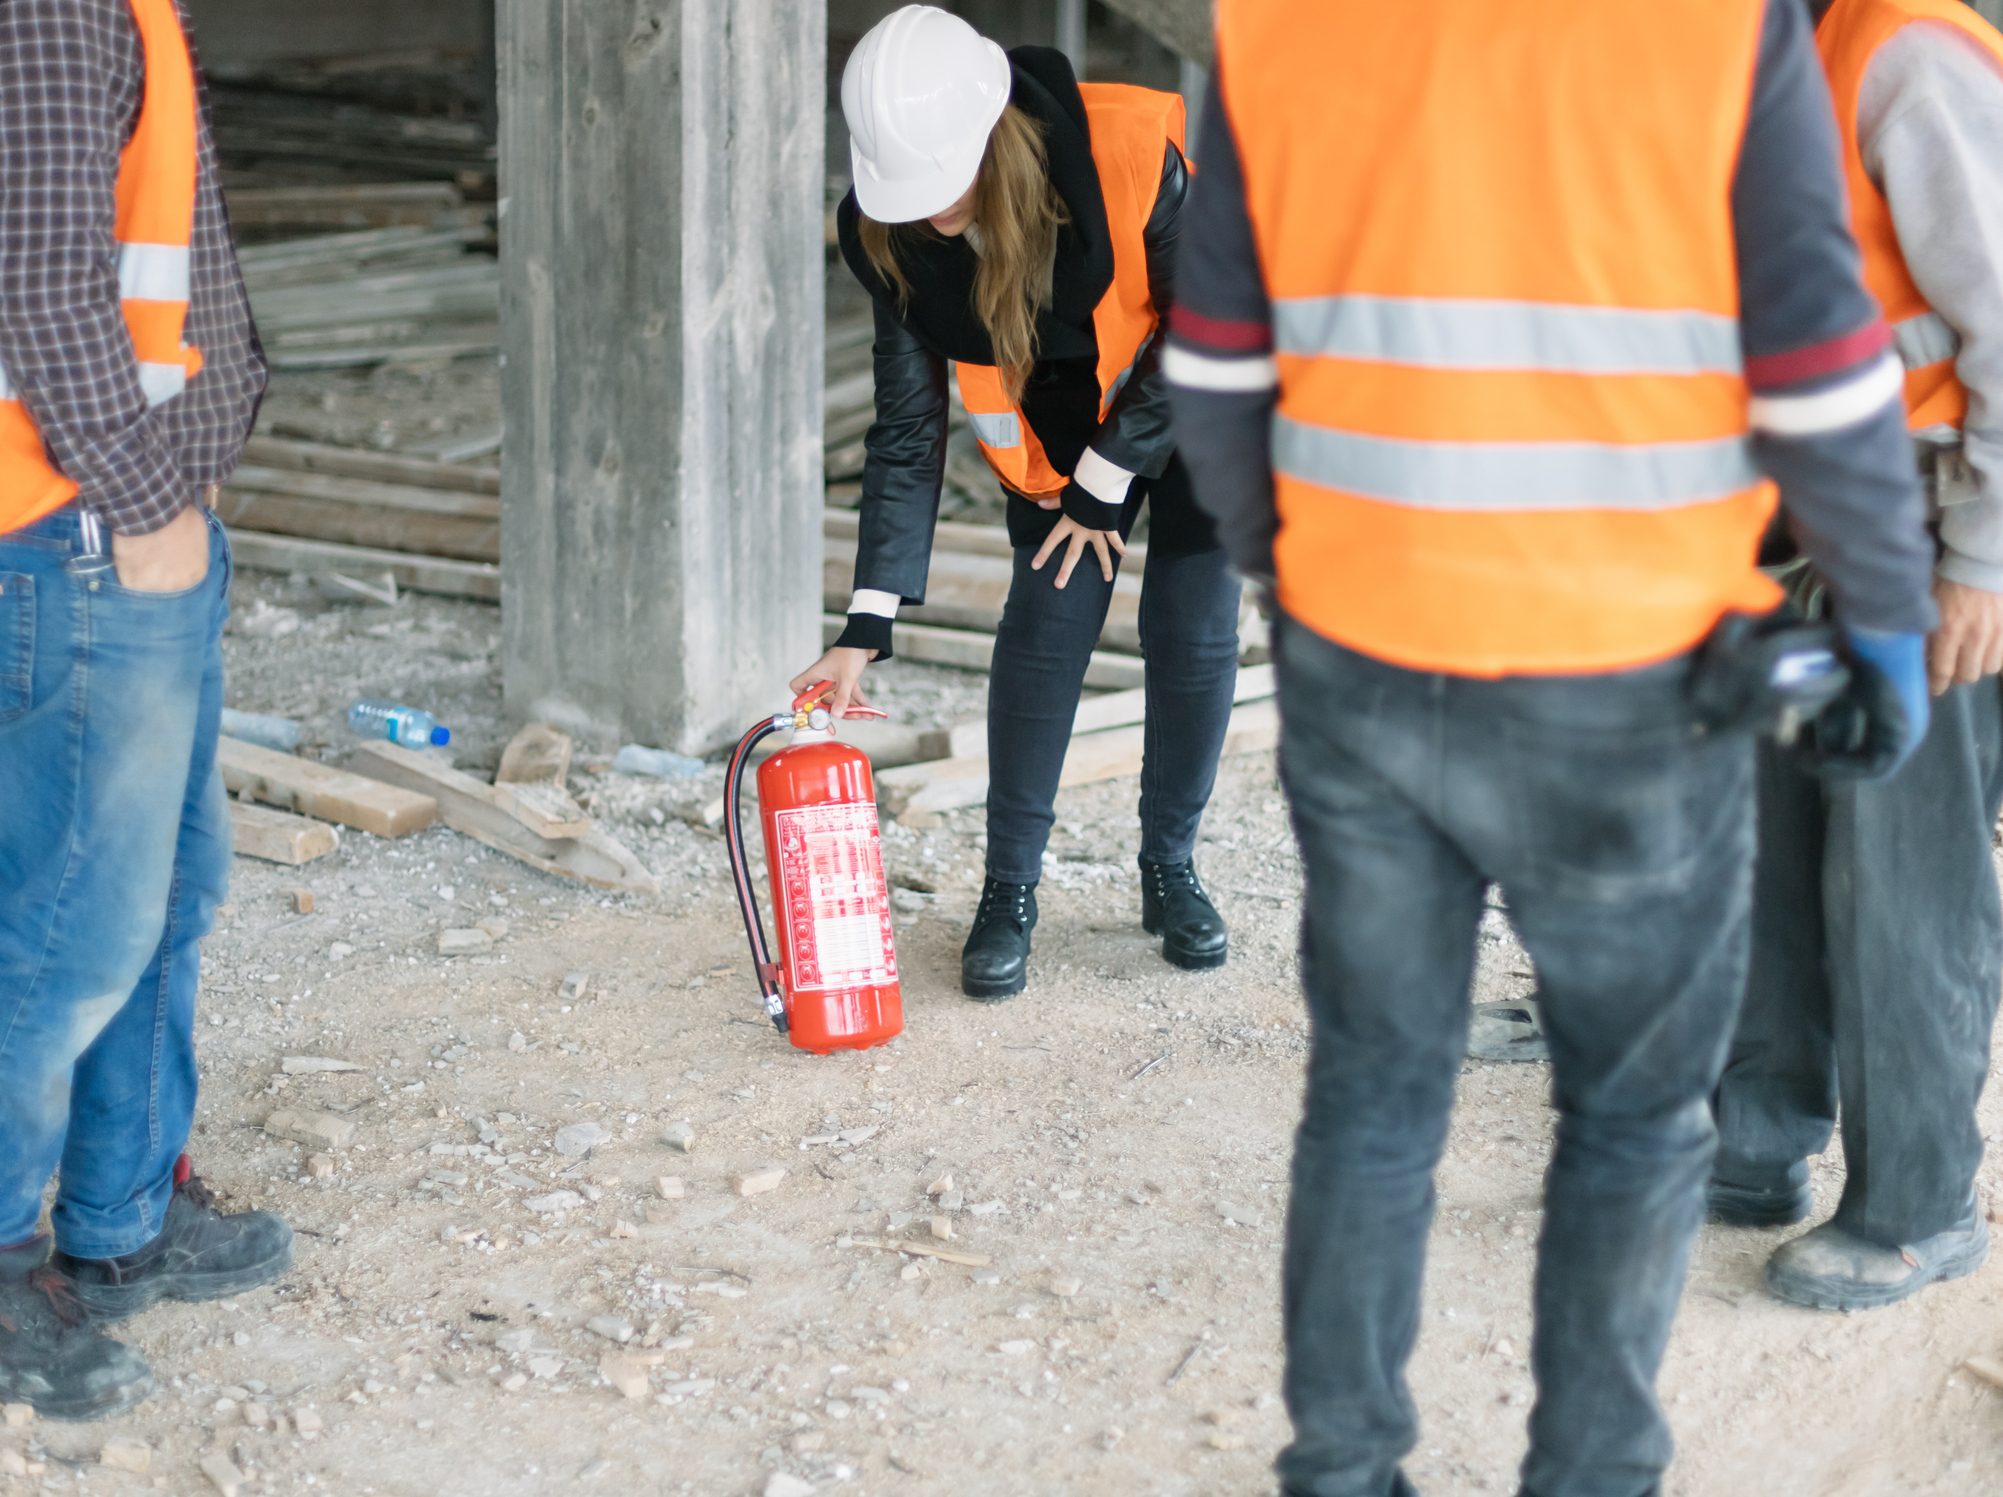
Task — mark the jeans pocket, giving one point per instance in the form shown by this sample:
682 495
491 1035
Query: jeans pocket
1606 816
17 644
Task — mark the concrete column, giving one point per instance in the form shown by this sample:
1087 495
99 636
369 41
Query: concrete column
661 321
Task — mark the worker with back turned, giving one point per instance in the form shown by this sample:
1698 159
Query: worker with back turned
1499 327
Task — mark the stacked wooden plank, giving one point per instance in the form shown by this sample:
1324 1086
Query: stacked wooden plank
352 206
260 130
379 295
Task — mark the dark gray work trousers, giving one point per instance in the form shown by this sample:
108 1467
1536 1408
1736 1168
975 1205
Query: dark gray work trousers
1877 960
1622 833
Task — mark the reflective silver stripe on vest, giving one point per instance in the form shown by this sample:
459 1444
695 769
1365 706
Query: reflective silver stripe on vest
1925 339
1497 476
1453 333
1003 430
153 272
6 386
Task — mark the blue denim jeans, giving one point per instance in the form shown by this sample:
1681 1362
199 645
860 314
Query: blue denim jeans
1623 836
114 852
1877 959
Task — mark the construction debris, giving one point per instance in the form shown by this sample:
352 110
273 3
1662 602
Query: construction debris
279 837
314 789
316 1130
538 755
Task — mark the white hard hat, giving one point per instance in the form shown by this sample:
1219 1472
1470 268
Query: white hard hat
920 93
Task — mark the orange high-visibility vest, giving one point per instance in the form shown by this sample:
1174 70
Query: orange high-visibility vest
1848 37
153 223
1131 129
1512 425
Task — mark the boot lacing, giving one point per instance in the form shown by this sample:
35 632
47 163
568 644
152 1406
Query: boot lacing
996 894
1177 875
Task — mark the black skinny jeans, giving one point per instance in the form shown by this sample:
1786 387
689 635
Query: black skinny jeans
1623 837
1189 634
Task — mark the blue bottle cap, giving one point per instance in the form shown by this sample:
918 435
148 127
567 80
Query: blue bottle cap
441 735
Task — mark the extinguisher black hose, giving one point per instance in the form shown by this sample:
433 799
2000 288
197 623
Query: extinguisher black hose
740 868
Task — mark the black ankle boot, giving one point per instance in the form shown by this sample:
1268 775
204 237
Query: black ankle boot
994 964
200 1254
50 1356
1174 907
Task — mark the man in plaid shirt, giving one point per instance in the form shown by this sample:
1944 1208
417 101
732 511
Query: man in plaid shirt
114 827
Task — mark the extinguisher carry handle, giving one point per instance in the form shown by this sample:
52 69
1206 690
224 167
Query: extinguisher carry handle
819 692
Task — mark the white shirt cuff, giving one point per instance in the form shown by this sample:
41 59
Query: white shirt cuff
870 600
1104 481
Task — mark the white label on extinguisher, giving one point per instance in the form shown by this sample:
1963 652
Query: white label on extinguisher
836 909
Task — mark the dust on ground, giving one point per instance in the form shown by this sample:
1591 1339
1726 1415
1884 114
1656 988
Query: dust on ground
1118 1139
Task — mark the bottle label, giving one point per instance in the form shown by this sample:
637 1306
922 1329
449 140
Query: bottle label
833 898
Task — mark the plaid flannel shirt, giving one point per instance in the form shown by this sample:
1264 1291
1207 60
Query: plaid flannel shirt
71 77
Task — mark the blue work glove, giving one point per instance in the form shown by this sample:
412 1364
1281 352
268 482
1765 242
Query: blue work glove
1880 720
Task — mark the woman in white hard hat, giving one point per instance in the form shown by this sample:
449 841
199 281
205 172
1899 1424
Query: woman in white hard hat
1022 226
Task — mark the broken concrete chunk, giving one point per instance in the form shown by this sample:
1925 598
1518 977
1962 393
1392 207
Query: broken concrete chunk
463 942
308 1065
579 1138
493 925
221 1470
1066 1288
126 1455
757 1182
452 1178
319 1166
669 1187
680 1136
517 1043
308 1421
942 1228
785 1484
556 1200
939 1184
859 1135
316 1130
17 1415
1243 1216
574 987
302 900
625 1374
611 1327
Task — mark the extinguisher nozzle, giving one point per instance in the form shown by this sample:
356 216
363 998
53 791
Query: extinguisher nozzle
779 1022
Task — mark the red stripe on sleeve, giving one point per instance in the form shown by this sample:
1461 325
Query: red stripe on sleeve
1774 370
1225 337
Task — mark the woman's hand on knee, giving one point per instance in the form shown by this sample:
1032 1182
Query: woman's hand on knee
1075 538
842 665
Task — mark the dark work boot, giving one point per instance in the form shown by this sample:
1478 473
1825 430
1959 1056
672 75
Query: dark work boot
1733 1205
49 1355
994 964
1829 1269
199 1254
1174 907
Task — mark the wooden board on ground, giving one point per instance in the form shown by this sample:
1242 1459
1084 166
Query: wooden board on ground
418 574
278 836
380 527
366 205
319 790
546 810
538 755
470 806
383 467
918 793
971 651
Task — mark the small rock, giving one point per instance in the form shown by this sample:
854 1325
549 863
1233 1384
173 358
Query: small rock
909 1272
126 1455
837 1409
623 1229
545 1367
445 1177
340 951
515 1341
307 1065
556 1200
256 1415
1112 1437
316 1130
319 1166
942 1228
758 1181
463 942
1244 1216
517 1043
308 1421
611 1327
579 1138
808 1441
669 1187
514 1382
624 1373
13 1463
1015 1348
940 1184
907 901
302 900
17 1415
952 1200
1505 1348
371 1387
221 1470
985 1208
574 987
680 1136
1066 1288
493 925
986 1276
1222 1441
785 1484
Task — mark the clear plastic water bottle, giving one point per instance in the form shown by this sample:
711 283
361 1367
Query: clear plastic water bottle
399 724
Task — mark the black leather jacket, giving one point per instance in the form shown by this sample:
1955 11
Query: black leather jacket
906 445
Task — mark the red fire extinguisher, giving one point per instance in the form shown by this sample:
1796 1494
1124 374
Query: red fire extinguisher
834 986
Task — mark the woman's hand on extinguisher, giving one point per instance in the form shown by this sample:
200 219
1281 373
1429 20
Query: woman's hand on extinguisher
843 666
1074 538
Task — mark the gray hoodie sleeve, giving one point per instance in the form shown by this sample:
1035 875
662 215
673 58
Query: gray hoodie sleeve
1930 130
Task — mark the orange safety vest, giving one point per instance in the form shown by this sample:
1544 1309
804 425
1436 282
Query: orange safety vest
1131 128
1512 428
153 223
1848 37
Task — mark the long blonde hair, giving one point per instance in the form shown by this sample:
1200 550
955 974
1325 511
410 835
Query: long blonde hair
1018 213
